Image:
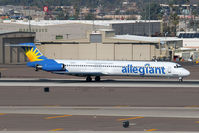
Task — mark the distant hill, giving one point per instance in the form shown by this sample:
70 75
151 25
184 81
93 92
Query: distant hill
106 3
60 2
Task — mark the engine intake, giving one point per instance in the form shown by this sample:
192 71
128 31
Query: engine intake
38 67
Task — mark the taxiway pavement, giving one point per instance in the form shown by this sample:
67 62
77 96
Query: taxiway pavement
99 96
169 112
98 119
103 83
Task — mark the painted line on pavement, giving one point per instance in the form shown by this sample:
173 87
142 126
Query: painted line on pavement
192 106
152 130
132 118
58 129
120 106
3 69
53 117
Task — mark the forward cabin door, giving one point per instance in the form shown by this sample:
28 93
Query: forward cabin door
169 70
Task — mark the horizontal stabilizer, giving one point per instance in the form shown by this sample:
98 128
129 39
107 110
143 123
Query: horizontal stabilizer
31 52
21 45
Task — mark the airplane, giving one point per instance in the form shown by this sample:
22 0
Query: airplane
96 68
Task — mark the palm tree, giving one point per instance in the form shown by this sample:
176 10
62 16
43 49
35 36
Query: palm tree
185 19
195 14
175 21
173 17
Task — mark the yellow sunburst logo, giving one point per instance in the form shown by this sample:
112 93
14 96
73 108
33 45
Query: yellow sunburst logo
33 54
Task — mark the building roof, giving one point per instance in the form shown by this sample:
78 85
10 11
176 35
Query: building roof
191 42
13 32
147 39
96 22
5 32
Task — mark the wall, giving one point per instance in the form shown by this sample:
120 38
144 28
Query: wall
139 28
14 54
142 52
123 52
105 52
98 51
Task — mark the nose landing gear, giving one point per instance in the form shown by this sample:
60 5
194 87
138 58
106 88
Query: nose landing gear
180 79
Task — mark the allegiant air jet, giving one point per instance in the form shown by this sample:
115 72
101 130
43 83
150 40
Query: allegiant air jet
101 68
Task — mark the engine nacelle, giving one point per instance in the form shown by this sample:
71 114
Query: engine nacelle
53 67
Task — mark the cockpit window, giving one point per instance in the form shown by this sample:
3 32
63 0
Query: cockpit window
177 66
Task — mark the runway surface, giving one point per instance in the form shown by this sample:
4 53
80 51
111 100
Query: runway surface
98 119
76 105
103 83
99 96
97 131
171 112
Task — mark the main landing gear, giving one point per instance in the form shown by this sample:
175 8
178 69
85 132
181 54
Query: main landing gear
97 78
180 79
89 79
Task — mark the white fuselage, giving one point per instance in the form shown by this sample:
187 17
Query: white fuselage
122 68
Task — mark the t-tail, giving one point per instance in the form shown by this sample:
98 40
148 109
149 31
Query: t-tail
38 60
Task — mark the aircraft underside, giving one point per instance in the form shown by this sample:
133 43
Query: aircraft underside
97 76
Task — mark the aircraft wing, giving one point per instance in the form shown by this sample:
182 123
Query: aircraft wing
80 74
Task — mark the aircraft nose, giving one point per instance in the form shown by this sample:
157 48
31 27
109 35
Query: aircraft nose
186 72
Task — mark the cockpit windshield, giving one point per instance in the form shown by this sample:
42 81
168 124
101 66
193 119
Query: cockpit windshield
177 66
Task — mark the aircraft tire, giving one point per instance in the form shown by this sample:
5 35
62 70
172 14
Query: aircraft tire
88 79
180 79
36 68
97 78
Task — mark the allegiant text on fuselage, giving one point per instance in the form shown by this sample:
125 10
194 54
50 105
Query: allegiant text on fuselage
147 69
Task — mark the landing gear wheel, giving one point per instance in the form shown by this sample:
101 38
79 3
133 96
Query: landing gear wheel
97 78
36 67
180 79
88 79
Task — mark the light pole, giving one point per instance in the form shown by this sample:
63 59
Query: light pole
29 16
92 11
149 18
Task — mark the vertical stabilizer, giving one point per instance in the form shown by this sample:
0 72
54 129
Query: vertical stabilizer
32 52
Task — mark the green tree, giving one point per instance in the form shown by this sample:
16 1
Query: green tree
89 16
173 18
174 22
155 12
60 16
